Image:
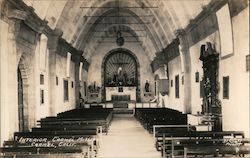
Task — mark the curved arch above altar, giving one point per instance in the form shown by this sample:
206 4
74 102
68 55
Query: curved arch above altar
121 76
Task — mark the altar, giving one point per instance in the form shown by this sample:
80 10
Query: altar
120 93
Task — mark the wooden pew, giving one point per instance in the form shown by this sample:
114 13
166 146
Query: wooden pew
45 143
92 116
14 148
69 134
217 151
211 147
193 138
159 130
64 155
75 131
149 117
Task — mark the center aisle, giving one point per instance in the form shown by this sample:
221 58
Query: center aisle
127 139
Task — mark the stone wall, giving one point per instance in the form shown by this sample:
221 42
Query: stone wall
95 68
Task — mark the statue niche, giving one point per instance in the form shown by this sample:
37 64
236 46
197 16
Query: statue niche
94 93
147 87
120 71
119 79
211 104
120 76
147 91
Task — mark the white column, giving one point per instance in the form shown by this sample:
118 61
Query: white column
5 130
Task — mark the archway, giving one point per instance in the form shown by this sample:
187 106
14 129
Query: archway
121 70
23 93
20 101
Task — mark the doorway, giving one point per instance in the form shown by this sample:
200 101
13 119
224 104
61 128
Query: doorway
20 101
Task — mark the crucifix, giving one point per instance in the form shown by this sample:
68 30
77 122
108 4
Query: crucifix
121 76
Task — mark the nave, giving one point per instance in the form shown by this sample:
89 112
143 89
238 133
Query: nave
67 67
148 133
127 139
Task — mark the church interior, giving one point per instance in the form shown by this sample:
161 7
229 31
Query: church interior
124 78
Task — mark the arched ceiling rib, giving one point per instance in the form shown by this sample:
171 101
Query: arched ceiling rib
166 17
133 22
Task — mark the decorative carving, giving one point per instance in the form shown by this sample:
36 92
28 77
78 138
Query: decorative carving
133 72
93 88
17 14
166 55
120 70
120 39
211 104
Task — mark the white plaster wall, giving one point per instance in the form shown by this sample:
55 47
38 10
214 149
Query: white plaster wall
8 83
43 110
84 77
174 70
170 101
235 110
6 127
61 105
144 62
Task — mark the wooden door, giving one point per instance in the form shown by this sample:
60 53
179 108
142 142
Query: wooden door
20 101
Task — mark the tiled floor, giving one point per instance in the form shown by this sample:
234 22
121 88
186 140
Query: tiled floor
127 139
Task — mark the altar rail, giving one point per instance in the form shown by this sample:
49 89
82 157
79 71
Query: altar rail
131 105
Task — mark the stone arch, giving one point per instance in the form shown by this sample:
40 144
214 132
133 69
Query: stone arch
138 93
157 77
24 68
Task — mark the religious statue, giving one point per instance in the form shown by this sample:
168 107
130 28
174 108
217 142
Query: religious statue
93 88
120 76
147 86
211 103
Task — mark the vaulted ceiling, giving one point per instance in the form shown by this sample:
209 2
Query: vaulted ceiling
88 23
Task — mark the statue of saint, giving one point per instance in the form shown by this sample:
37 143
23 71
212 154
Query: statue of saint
147 86
120 76
119 71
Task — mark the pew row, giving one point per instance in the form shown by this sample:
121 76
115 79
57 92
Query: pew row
149 117
186 147
22 150
76 132
204 143
79 117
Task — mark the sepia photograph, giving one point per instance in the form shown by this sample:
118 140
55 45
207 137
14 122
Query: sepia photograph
124 79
